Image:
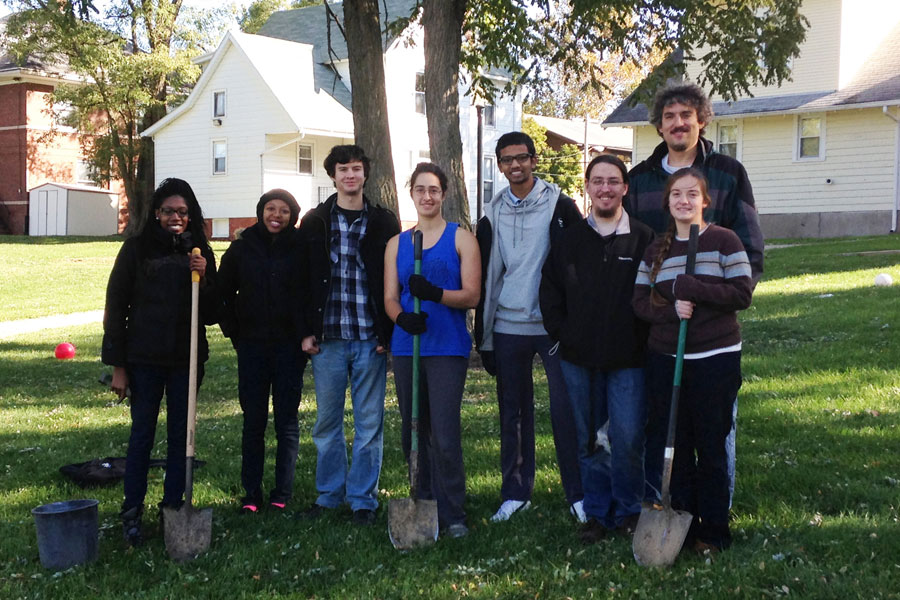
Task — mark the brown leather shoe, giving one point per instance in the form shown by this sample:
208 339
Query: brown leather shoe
592 532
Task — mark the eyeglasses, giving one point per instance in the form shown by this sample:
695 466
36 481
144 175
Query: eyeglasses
432 190
181 212
600 182
519 158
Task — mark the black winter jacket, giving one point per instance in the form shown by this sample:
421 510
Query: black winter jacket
565 214
259 283
148 302
586 289
315 236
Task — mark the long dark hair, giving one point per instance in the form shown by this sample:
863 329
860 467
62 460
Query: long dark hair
669 235
196 225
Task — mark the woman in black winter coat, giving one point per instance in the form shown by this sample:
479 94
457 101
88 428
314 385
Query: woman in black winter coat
147 332
258 281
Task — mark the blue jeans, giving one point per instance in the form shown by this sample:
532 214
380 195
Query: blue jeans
337 362
275 365
148 384
613 479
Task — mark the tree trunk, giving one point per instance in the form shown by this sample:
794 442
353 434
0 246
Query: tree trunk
442 21
370 118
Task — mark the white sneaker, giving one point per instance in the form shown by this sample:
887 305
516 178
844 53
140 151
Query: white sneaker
577 510
508 508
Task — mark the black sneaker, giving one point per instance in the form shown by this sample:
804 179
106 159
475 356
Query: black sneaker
313 512
628 525
131 526
251 503
363 516
592 532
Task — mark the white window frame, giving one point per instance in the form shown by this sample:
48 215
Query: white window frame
213 143
492 122
488 175
221 228
224 104
83 171
312 158
798 119
417 94
739 138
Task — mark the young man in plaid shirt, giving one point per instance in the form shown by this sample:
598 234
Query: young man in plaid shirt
347 333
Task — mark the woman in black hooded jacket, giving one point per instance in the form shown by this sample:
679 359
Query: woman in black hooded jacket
262 313
147 332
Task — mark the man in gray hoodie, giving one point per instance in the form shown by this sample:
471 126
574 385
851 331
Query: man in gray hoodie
514 237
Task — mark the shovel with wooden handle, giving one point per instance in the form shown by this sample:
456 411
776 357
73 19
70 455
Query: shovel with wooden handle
188 531
413 522
660 531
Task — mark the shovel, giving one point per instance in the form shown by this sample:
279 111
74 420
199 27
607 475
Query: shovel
413 522
660 531
187 531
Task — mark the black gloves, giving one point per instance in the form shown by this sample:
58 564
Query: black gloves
424 289
412 323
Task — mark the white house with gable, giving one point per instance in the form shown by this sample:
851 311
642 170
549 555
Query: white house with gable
268 108
822 150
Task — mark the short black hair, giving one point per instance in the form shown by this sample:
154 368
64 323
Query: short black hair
427 167
344 154
611 159
689 94
515 138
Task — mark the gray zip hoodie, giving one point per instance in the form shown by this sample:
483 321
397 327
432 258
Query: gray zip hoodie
521 242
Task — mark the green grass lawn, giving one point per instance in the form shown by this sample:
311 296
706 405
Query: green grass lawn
815 511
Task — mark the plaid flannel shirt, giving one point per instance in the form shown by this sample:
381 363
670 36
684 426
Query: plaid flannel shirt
348 315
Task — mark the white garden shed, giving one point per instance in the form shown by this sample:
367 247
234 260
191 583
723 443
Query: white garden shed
71 209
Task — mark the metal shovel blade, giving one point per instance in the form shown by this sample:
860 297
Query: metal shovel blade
659 535
412 523
187 532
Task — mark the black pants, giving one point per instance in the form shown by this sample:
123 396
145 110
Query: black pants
515 393
699 485
264 366
442 475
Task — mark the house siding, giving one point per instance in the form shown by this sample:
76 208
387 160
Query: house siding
250 111
817 67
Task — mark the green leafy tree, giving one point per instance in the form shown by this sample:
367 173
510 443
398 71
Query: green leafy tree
562 167
259 11
737 45
132 60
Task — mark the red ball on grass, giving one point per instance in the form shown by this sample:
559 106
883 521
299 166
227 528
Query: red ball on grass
65 351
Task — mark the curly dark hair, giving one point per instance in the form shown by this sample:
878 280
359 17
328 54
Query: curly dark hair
689 94
427 167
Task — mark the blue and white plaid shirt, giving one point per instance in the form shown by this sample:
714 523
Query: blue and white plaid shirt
348 315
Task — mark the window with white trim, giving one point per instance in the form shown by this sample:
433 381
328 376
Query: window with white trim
420 93
304 159
220 229
218 104
727 137
810 137
489 116
83 170
487 175
220 156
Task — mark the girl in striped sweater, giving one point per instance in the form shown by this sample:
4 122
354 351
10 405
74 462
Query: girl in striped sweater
711 377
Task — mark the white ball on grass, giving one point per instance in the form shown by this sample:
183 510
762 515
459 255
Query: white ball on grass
883 280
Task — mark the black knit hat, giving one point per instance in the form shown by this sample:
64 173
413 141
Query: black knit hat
283 195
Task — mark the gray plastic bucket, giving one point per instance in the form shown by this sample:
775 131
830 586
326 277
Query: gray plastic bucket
66 533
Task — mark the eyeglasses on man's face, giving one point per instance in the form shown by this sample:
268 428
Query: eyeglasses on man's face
519 158
168 212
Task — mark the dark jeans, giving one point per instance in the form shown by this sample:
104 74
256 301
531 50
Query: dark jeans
514 355
264 366
442 475
699 485
148 384
612 476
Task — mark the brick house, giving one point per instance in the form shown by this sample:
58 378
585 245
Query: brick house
33 149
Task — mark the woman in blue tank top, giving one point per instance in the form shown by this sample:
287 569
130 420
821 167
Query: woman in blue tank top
450 284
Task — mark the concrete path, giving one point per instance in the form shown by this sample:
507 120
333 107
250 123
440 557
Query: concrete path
12 328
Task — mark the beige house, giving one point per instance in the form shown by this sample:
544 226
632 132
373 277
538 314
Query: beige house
822 150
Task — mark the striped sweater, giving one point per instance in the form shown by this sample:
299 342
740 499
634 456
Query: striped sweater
720 287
